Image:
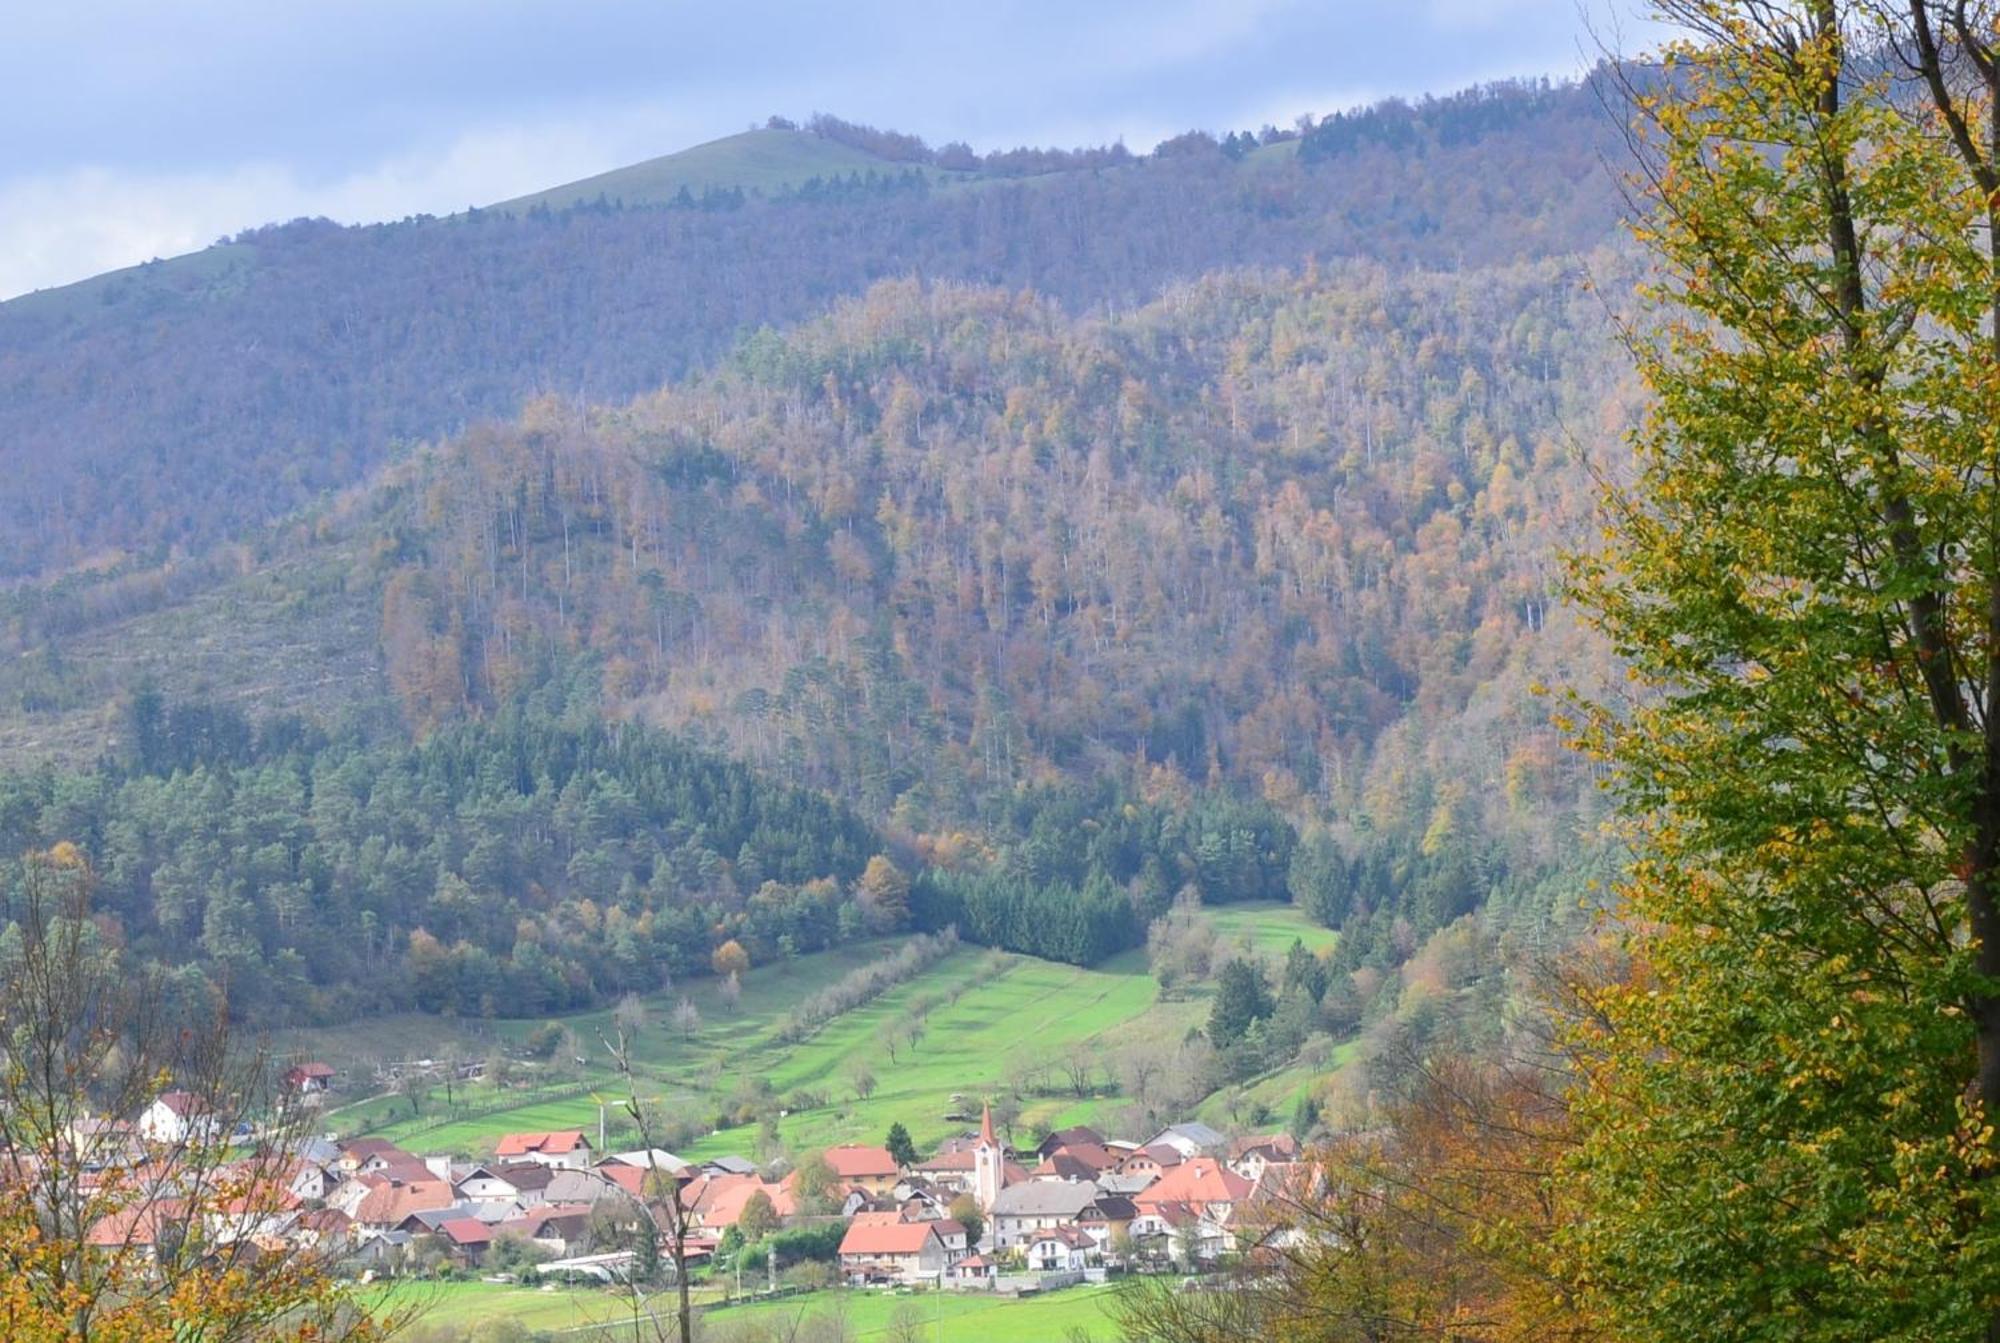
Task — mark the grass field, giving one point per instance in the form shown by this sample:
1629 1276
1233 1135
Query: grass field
468 1307
952 1317
1009 1011
1269 930
761 160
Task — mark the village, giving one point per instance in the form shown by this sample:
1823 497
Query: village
976 1214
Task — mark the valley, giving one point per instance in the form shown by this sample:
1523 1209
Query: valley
1005 1025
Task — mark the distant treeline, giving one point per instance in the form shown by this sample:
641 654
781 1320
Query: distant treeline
544 860
1087 871
539 861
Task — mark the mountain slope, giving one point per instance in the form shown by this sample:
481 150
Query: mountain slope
171 407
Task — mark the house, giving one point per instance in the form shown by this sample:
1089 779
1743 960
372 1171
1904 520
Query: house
1249 1157
1037 1205
973 1268
309 1079
383 1252
1204 1185
386 1204
717 1201
1130 1185
309 1179
652 1184
1060 1249
1082 1162
563 1228
466 1237
1269 1218
1108 1219
1150 1162
1177 1232
648 1159
869 1168
405 1168
1070 1137
525 1183
921 1203
357 1153
566 1148
952 1232
100 1140
1189 1139
322 1227
582 1186
178 1117
892 1251
140 1227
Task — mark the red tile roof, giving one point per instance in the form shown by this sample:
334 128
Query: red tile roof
466 1231
886 1238
895 1218
856 1162
391 1204
718 1200
1197 1183
559 1143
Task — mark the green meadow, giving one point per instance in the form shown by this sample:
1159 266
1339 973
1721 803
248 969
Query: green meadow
997 1016
1269 930
759 160
467 1308
952 1317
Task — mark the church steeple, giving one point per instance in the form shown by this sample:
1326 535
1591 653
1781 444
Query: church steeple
989 1163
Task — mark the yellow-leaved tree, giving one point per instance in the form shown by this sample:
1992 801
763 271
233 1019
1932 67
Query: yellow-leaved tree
1785 1120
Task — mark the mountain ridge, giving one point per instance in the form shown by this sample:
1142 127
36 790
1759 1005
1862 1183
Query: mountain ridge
158 412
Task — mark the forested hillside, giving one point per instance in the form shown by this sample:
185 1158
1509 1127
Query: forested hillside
1085 613
183 403
1291 534
1081 591
534 863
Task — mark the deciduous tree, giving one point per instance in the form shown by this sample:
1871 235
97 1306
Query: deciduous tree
1788 1114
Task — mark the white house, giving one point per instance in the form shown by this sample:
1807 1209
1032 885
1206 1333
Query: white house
1038 1205
177 1117
1062 1249
905 1251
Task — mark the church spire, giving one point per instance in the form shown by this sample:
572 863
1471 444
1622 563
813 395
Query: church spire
989 1163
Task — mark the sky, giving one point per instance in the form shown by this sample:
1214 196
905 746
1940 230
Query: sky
134 129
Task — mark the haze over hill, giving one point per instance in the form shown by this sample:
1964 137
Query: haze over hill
173 406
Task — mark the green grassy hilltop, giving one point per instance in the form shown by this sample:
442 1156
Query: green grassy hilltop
764 161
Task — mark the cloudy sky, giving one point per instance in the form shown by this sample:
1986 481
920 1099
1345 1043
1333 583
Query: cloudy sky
135 129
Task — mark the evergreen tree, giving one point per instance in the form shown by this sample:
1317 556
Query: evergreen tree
1241 999
899 1145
